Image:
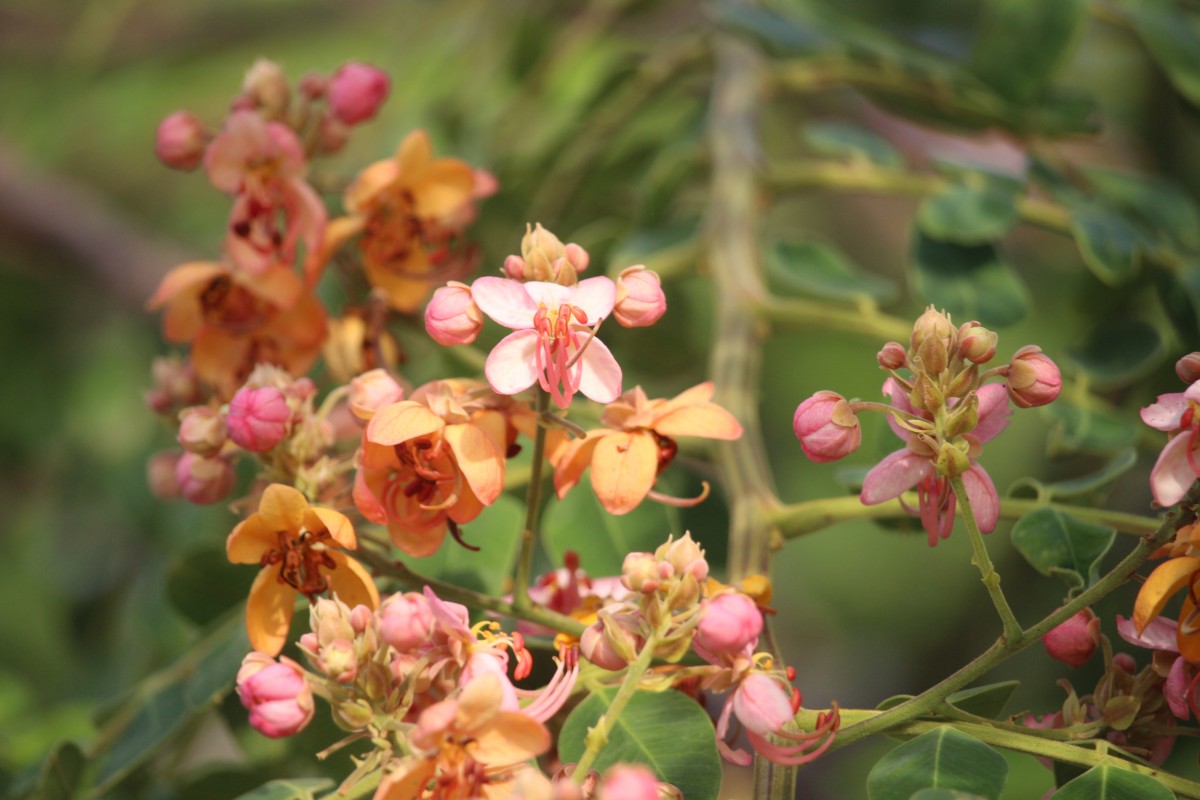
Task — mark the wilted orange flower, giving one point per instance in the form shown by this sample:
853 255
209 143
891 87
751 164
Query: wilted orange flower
637 444
408 209
429 462
300 548
236 320
1165 581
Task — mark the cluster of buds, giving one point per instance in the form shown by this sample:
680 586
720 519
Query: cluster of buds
942 411
1176 415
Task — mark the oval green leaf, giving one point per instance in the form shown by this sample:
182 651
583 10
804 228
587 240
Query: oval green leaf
943 758
1109 243
1170 36
815 270
968 214
61 773
840 140
497 534
1021 43
1112 783
1087 430
1059 545
984 701
1118 353
943 794
666 731
968 282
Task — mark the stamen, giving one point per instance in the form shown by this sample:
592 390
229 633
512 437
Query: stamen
591 335
452 526
681 502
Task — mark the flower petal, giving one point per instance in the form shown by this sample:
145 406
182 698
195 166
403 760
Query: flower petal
994 412
249 540
708 420
400 422
600 378
510 738
408 780
1167 413
1166 579
1175 688
511 367
548 294
1189 643
414 153
183 277
479 459
282 509
574 458
624 466
351 582
444 188
595 296
269 611
1160 634
1173 475
505 301
893 476
985 502
340 529
899 399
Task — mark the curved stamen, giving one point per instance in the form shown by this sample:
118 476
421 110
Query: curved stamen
682 502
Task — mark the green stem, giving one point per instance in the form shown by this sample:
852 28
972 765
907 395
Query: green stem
981 559
868 322
533 505
597 735
810 516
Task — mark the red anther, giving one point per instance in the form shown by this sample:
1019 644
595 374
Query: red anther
518 641
540 323
524 665
1189 415
413 487
791 673
797 699
579 314
571 560
422 444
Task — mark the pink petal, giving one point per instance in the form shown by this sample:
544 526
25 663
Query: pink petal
1176 687
994 411
550 295
894 476
1160 634
899 399
595 296
1173 475
985 502
601 376
1167 413
505 301
511 367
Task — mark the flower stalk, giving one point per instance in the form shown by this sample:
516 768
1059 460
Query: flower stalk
597 735
533 506
981 559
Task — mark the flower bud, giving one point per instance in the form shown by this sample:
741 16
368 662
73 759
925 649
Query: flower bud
628 782
201 431
405 621
545 258
278 695
934 325
452 317
175 384
265 87
313 85
762 704
204 480
347 352
952 459
329 619
332 135
640 298
976 343
610 645
514 267
925 394
180 141
160 474
372 391
1188 368
258 419
892 356
963 418
639 573
339 661
728 623
685 556
356 92
1033 379
1074 640
353 714
826 427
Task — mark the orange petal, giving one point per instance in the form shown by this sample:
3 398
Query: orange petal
1166 579
184 316
708 420
402 421
444 188
183 277
467 508
700 393
278 285
351 582
368 183
269 612
418 542
249 540
479 459
413 154
1189 644
572 458
339 231
407 782
282 509
510 738
624 466
404 294
479 703
341 530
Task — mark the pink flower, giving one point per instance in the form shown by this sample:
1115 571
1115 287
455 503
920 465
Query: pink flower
356 92
371 391
1033 379
204 480
277 694
729 623
554 342
764 706
180 141
826 427
640 298
914 466
406 621
1176 469
628 782
1182 687
1074 640
452 317
258 419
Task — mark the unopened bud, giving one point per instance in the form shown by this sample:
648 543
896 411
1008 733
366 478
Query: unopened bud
546 258
685 556
1188 368
160 474
826 427
277 695
405 621
640 573
640 298
932 324
926 395
628 782
266 87
204 480
332 135
452 317
932 355
258 419
892 356
339 661
976 343
180 141
952 460
728 623
1074 640
353 714
372 391
201 430
1033 379
356 92
963 418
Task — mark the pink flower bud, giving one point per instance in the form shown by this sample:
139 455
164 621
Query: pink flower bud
628 782
332 135
265 87
728 623
762 704
181 140
258 418
640 298
452 317
160 474
372 391
405 621
204 480
278 695
1074 640
1033 379
356 92
576 256
1188 368
175 385
201 431
639 573
514 268
892 356
826 427
313 85
1125 663
976 343
611 643
685 556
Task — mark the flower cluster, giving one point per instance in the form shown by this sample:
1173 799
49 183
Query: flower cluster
1176 415
942 412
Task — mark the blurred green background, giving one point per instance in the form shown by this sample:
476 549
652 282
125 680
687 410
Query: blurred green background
594 118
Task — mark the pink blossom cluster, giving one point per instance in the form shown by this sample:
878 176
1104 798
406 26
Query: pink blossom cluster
1176 415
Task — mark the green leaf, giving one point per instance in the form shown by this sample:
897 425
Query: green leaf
166 702
970 212
968 282
812 269
1151 201
943 758
61 773
1109 243
1117 466
578 522
667 250
666 731
841 140
984 701
1021 43
289 789
1088 430
1171 37
1112 783
893 701
930 793
202 585
1059 545
1118 353
1179 293
497 534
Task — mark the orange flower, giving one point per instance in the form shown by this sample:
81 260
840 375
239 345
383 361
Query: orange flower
236 320
1165 581
638 443
298 548
430 462
408 209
